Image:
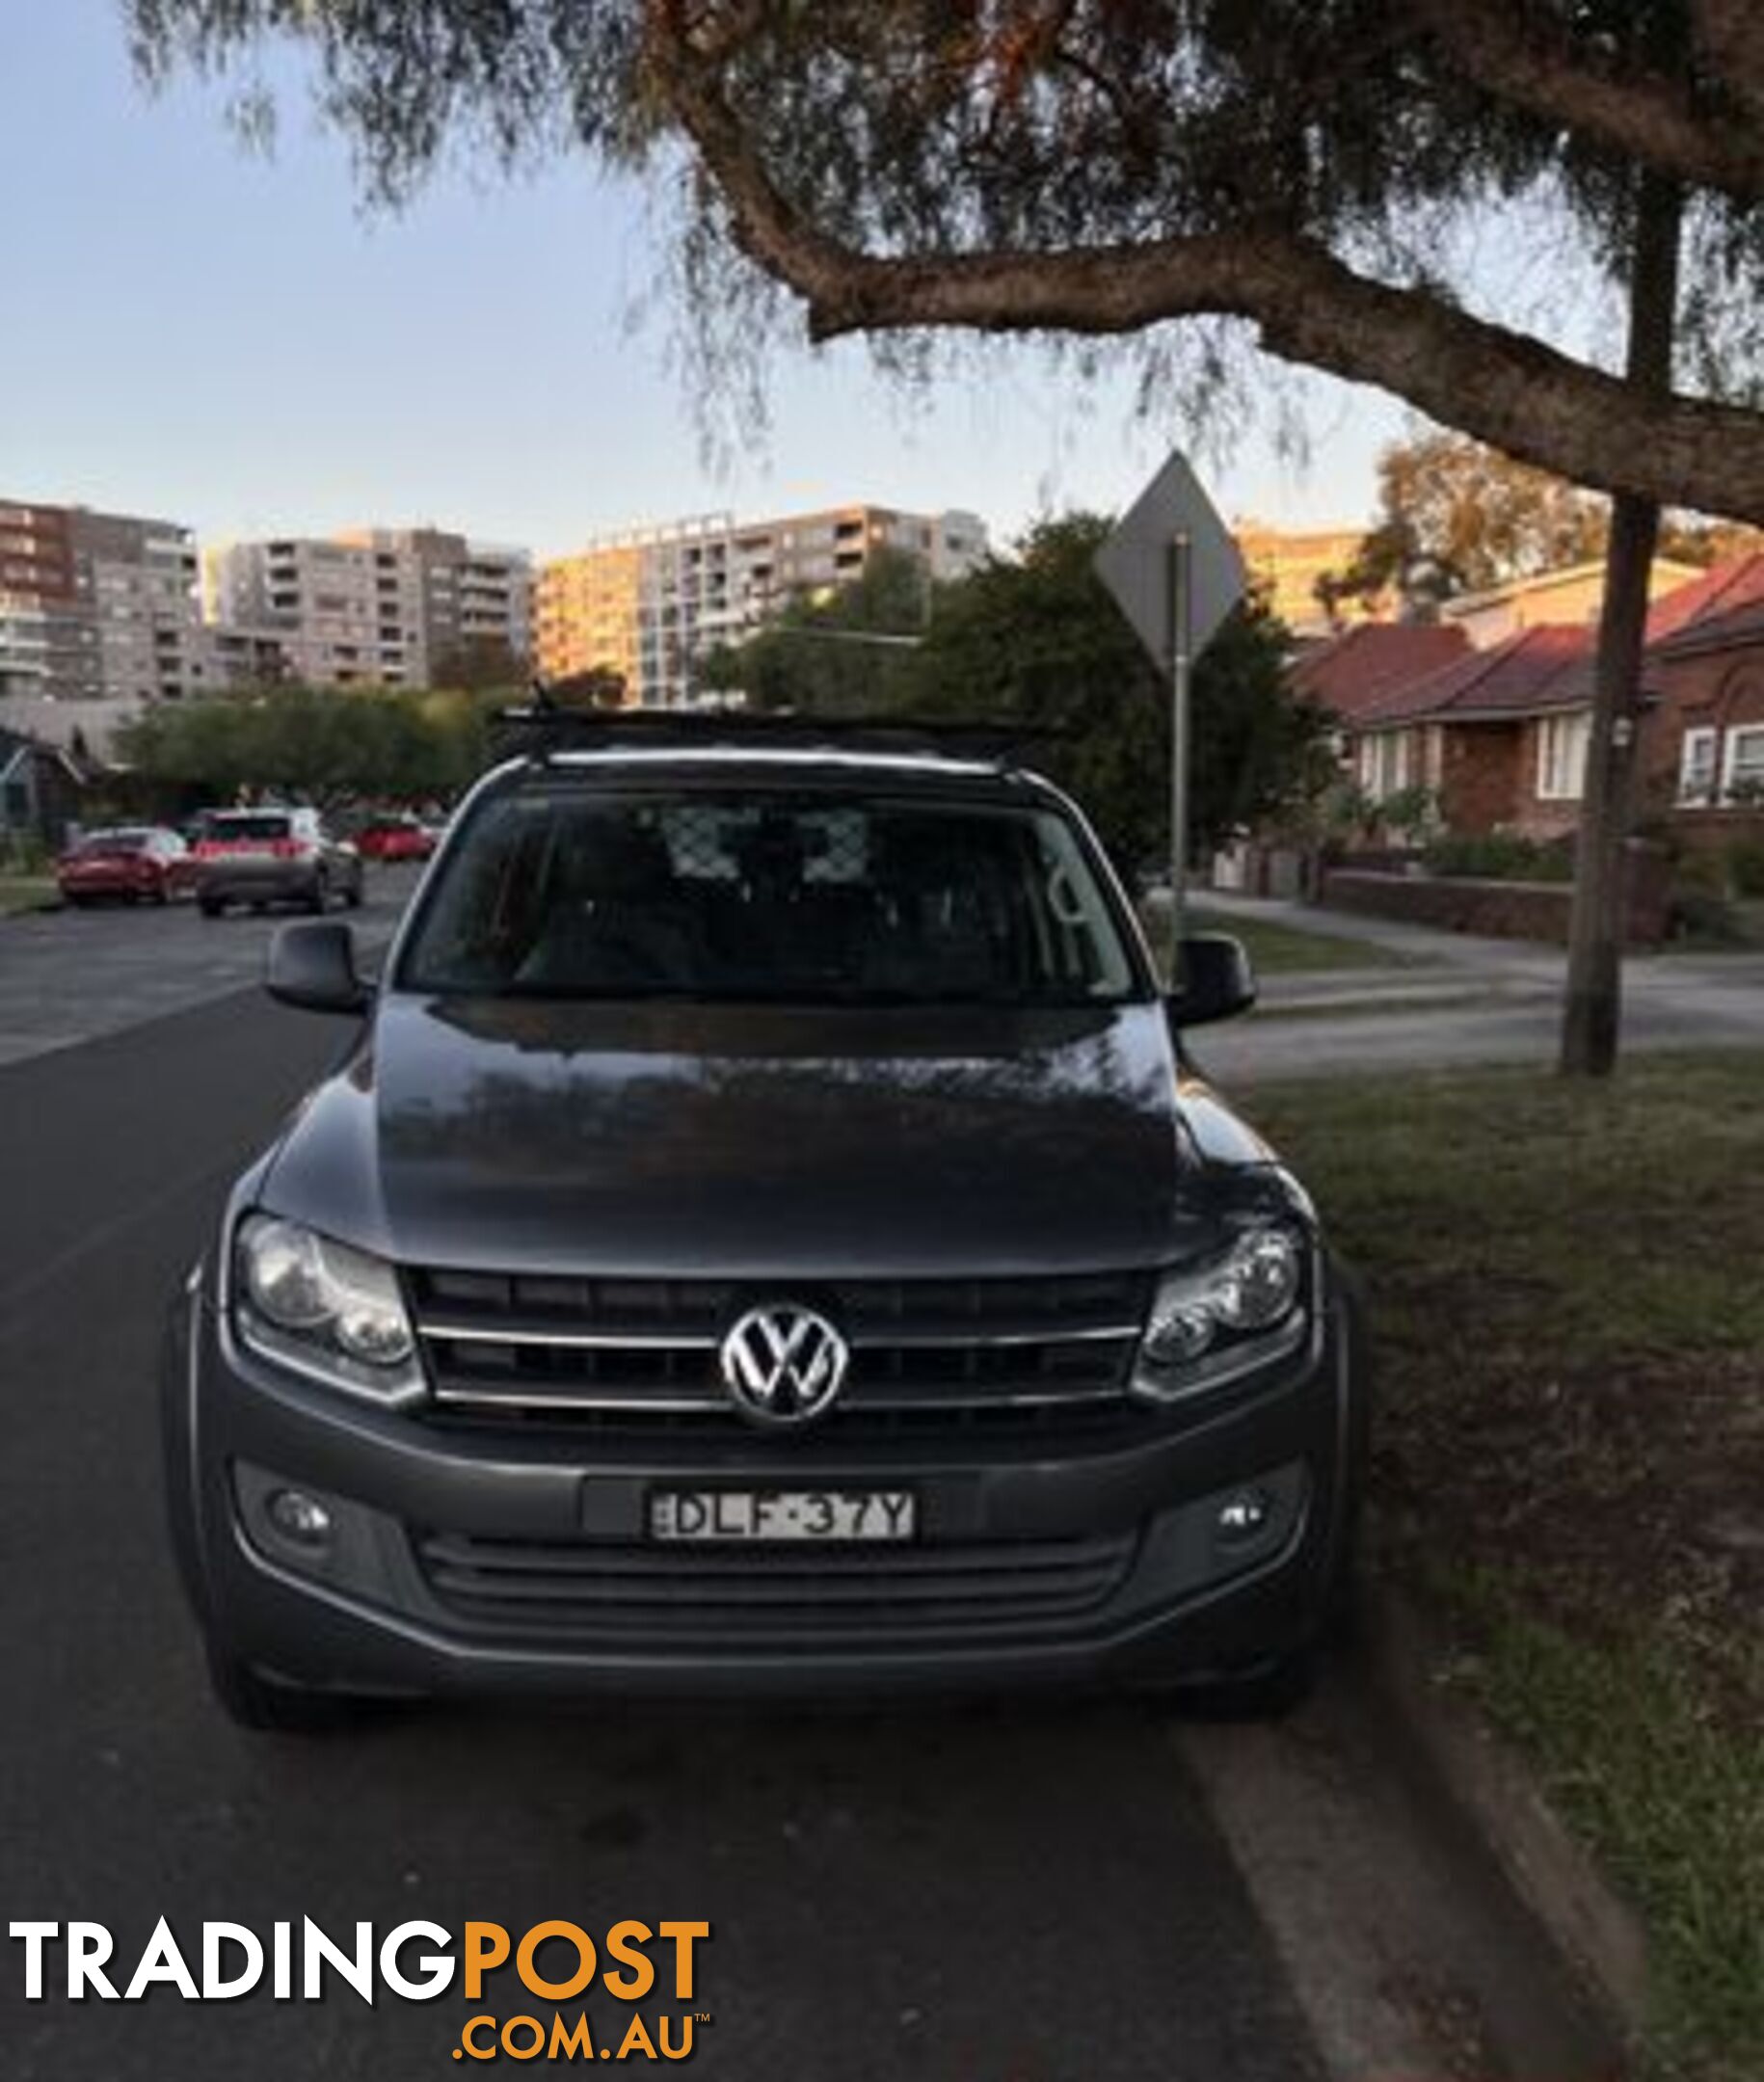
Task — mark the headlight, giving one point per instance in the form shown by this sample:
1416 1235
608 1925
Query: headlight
1212 1323
324 1309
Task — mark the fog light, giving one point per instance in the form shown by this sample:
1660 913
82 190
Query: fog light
1243 1515
300 1517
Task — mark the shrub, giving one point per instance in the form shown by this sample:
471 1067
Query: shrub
1746 867
1697 914
1700 872
1411 814
1499 856
23 853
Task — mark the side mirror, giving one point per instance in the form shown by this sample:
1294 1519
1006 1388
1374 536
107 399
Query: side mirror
314 966
1217 982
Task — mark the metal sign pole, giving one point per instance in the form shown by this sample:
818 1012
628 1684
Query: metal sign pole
1182 626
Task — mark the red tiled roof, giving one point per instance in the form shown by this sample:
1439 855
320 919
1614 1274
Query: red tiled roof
1535 671
1725 604
1366 663
1726 594
1720 591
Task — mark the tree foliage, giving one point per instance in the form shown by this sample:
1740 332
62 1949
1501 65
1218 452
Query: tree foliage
846 651
1455 516
480 665
1102 168
1034 639
313 743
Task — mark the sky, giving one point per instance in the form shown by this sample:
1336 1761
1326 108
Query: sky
231 339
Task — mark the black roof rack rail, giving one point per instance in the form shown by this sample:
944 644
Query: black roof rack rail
545 726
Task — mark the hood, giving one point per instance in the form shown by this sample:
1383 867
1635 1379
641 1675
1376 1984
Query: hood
746 1141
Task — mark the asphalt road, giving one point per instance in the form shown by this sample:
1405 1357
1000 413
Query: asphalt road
1008 1893
70 975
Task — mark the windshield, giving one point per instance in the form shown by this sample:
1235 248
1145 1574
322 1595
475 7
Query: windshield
768 896
258 825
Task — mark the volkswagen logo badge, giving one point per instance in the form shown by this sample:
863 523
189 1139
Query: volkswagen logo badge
782 1364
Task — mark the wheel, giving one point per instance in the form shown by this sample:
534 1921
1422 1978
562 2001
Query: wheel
210 906
321 892
162 895
252 1701
1267 1691
352 895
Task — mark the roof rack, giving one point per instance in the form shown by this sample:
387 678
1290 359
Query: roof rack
544 726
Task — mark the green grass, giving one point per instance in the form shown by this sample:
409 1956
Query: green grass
1284 950
24 892
1673 1801
1570 1320
1559 1221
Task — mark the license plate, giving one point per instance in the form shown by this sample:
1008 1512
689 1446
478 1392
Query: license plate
756 1515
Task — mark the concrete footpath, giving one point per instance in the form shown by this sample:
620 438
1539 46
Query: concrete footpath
1453 1000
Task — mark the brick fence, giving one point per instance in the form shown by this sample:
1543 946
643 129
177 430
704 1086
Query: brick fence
1499 910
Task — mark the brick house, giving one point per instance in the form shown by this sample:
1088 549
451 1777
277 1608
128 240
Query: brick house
1704 748
1568 597
1500 733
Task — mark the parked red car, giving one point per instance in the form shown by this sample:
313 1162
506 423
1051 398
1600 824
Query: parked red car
395 839
135 863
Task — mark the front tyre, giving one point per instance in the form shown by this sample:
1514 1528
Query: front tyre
251 1700
319 896
1267 1691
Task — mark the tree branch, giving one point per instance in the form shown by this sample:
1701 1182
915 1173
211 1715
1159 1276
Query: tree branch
1502 387
1732 34
1649 119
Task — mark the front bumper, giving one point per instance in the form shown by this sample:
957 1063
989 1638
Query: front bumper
1105 1563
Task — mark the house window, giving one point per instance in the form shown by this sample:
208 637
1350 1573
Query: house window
1743 778
1386 762
1697 767
1561 756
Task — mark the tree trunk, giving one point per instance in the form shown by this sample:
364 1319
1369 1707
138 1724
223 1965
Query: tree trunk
1593 1012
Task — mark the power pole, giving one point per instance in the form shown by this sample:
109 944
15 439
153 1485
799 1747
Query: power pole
1591 1015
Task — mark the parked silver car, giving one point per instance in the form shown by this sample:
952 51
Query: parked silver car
260 857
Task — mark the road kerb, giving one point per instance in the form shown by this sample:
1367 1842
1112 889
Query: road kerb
1592 1927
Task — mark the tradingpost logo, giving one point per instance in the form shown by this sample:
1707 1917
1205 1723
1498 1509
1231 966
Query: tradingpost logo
551 1992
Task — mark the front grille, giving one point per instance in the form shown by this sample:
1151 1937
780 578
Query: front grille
642 1354
601 1592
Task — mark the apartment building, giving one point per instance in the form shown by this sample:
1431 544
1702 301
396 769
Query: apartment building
144 596
95 604
48 634
1287 563
103 606
649 604
375 606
